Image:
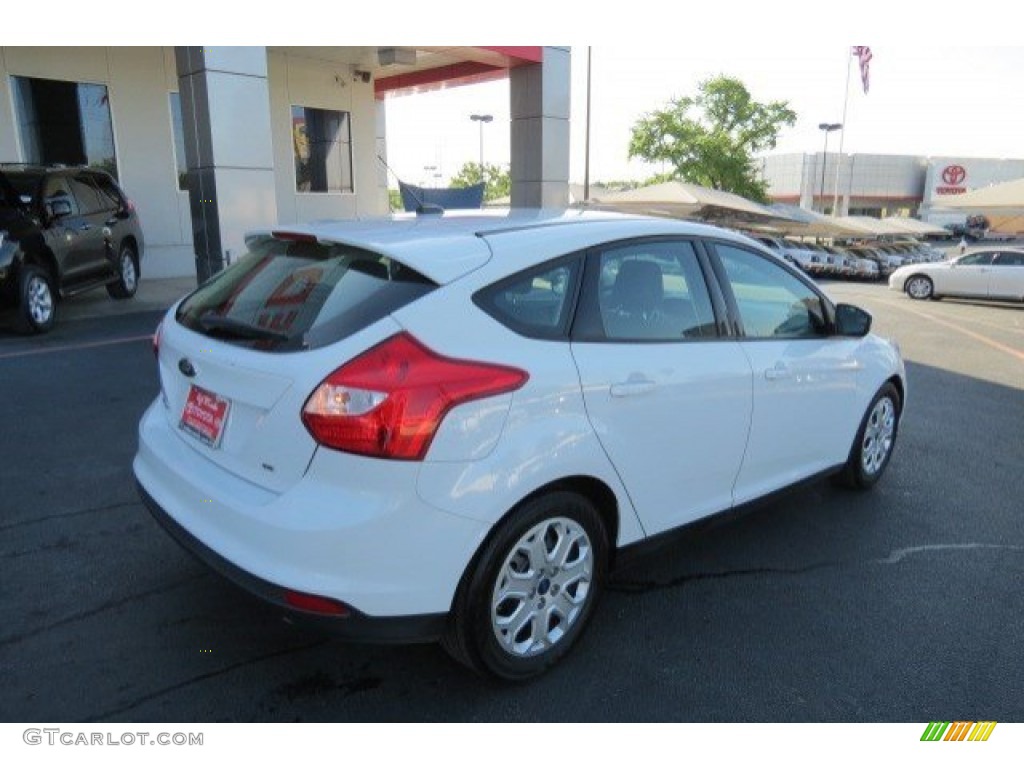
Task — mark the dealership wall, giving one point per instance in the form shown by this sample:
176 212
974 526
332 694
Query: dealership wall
882 184
139 81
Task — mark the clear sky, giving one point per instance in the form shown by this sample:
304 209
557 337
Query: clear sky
932 100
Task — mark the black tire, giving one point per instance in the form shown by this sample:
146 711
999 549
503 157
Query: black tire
473 630
37 304
127 282
920 287
867 460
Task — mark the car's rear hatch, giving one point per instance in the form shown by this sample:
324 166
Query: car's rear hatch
241 355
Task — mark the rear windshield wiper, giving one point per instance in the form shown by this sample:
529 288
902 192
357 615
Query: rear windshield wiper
238 329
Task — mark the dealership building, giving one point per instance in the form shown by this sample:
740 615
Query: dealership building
882 185
212 142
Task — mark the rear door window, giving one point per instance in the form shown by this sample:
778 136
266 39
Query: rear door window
287 295
110 199
87 195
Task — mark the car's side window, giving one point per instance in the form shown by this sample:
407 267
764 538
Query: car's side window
772 303
534 303
1007 259
647 291
87 196
57 190
109 198
976 259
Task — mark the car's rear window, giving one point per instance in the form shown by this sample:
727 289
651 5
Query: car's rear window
287 295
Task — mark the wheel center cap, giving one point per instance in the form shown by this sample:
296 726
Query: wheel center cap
543 586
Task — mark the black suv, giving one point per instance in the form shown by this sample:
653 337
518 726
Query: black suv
63 231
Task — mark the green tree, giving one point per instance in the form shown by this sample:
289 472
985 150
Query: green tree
710 139
495 177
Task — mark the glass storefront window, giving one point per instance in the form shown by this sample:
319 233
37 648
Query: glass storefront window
322 146
65 122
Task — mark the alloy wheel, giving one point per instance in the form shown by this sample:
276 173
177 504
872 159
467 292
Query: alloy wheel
919 288
128 274
542 587
878 436
40 300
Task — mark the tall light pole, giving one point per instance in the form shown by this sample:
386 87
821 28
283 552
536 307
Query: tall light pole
827 128
481 119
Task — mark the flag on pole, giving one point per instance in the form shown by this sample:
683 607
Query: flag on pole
863 54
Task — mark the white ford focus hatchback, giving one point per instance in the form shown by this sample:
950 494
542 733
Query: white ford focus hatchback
448 427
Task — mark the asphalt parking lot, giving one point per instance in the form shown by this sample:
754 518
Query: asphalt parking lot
902 604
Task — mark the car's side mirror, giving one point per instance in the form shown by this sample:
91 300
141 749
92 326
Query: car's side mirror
59 208
852 321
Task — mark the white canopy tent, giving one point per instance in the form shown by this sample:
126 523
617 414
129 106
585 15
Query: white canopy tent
1006 198
917 227
812 224
680 200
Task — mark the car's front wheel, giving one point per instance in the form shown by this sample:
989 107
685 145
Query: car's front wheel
920 287
875 440
37 306
532 589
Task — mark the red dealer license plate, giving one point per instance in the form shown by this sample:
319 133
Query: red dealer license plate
204 415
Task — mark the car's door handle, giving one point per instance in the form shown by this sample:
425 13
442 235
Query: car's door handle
778 371
632 388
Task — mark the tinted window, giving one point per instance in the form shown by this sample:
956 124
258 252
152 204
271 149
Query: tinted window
85 193
653 291
65 122
322 146
178 132
534 303
23 186
772 303
976 259
109 195
288 295
1007 259
57 189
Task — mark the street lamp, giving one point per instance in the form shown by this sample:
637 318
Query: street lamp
481 119
827 128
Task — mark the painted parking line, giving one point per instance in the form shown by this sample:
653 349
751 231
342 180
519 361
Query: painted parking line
960 329
75 347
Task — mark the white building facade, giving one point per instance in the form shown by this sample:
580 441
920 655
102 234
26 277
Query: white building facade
881 185
211 142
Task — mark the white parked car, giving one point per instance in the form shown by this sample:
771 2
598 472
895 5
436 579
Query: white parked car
448 427
996 273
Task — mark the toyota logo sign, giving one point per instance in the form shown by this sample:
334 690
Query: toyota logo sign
954 174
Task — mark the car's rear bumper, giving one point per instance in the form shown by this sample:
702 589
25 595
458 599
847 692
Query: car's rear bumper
355 625
351 529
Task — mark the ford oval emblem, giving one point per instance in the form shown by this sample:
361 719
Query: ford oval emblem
186 367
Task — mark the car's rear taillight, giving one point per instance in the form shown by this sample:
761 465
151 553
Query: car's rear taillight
156 339
389 401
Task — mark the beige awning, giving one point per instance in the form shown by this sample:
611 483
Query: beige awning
999 198
917 227
876 227
680 200
807 223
